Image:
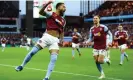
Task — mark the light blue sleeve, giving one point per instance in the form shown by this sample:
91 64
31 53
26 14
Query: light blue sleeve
79 35
108 32
90 36
110 36
105 28
48 14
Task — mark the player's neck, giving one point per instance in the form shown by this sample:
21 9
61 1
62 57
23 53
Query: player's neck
57 12
120 30
97 25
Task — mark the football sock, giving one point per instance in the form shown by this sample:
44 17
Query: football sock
106 59
125 54
78 50
99 68
122 58
51 65
28 57
108 53
73 53
3 48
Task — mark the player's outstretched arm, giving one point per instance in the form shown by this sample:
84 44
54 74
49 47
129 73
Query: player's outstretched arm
61 38
115 36
127 36
89 41
110 36
42 12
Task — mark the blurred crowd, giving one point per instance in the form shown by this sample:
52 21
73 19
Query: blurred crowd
12 39
113 8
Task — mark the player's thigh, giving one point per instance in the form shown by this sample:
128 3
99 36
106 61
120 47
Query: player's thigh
95 54
95 58
101 58
102 54
77 45
54 48
73 45
47 40
43 42
123 48
3 45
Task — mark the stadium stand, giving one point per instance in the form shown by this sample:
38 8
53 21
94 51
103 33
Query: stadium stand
113 8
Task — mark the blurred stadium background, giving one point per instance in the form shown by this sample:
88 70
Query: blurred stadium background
20 18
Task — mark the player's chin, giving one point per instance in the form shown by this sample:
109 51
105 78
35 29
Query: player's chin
63 11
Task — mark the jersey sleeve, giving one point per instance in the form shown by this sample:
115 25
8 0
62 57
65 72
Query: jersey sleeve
48 14
79 35
115 34
110 36
106 29
126 34
90 36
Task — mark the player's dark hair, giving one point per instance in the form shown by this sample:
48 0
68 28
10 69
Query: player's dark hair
120 25
97 16
58 5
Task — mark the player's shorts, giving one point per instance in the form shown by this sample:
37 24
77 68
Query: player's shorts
48 40
3 45
124 46
99 52
74 45
28 43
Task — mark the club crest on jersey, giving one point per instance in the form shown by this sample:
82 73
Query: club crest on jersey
97 34
101 29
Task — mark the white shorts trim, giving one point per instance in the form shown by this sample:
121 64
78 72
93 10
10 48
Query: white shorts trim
48 40
3 45
99 52
124 46
74 45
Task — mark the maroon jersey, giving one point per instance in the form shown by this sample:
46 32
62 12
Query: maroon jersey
98 35
75 37
122 35
55 22
3 40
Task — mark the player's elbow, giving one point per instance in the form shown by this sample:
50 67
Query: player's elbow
42 13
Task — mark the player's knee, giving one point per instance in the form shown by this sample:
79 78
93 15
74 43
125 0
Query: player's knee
96 60
54 51
101 61
107 48
122 50
73 48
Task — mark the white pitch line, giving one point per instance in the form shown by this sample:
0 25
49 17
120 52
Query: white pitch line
5 65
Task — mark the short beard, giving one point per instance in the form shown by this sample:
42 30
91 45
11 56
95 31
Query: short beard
61 13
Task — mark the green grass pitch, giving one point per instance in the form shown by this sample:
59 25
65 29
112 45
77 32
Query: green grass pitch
81 68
